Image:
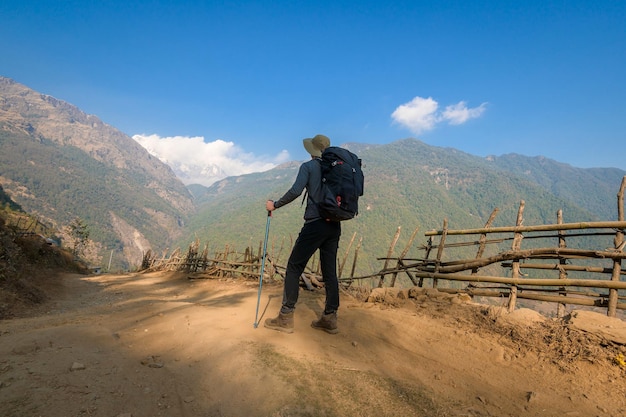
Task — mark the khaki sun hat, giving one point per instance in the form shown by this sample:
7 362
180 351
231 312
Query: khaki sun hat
316 145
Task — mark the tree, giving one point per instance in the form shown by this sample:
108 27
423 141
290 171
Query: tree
78 234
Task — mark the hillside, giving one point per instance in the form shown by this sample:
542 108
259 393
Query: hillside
60 164
588 188
412 185
162 345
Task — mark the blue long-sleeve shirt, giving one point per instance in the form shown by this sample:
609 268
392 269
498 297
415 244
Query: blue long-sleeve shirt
309 177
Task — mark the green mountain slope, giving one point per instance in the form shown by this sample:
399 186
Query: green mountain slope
408 184
587 188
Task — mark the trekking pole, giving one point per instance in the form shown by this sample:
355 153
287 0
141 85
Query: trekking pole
258 301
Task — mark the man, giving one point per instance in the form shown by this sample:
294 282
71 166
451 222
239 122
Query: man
316 233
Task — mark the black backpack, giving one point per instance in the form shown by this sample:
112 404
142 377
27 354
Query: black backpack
342 184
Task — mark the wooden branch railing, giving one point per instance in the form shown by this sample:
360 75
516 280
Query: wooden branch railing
518 285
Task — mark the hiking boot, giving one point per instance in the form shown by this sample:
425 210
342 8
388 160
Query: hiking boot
282 323
327 322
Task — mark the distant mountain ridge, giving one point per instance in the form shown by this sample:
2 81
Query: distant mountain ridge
59 163
585 186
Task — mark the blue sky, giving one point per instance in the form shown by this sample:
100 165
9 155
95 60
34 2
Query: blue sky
246 81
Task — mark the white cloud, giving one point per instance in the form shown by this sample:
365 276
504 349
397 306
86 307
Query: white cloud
422 114
418 115
198 162
457 114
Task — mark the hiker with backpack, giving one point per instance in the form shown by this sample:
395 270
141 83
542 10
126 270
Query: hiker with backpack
318 232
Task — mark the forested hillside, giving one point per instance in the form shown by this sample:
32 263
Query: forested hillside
408 184
587 188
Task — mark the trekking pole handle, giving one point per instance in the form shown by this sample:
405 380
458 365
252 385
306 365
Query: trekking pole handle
269 207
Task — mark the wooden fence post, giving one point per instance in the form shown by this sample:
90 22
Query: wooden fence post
442 243
560 309
483 238
517 243
356 255
619 246
429 248
345 256
402 255
389 253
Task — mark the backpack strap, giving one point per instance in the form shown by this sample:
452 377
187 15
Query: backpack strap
306 192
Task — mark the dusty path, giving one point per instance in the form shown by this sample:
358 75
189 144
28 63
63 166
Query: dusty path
162 345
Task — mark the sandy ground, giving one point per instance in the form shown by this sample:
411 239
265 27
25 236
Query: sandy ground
160 344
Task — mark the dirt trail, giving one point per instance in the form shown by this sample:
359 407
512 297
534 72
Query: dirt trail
160 344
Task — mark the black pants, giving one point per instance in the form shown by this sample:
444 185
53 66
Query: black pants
324 236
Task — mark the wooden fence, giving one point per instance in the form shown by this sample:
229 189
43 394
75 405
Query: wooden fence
582 276
222 264
601 266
